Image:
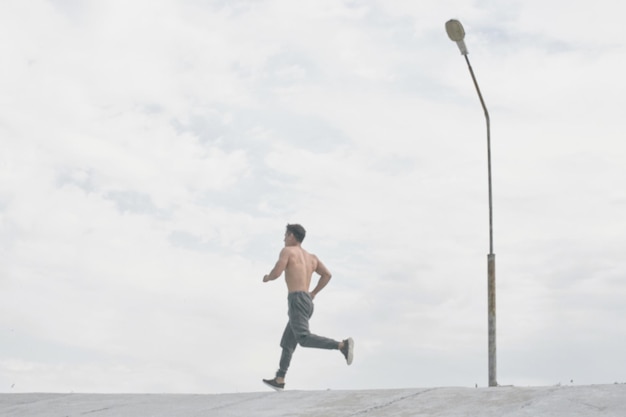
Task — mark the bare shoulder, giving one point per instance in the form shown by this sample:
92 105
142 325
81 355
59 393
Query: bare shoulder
289 251
312 258
307 253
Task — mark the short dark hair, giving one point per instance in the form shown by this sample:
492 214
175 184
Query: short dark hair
297 231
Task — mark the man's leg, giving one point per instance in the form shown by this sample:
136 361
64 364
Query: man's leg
288 343
300 311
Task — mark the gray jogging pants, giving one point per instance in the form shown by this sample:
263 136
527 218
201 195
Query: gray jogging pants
297 330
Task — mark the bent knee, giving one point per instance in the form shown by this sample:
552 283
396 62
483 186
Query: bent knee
302 339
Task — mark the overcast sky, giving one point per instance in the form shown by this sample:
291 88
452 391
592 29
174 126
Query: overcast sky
152 152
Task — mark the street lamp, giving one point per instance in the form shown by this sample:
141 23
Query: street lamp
455 31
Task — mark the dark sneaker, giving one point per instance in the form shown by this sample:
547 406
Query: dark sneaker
274 385
348 350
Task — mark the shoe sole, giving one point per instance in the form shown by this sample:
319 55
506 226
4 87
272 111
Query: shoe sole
350 350
277 389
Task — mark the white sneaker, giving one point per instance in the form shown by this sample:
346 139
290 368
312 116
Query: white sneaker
348 350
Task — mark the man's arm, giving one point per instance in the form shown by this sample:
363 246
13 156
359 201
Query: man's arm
280 266
325 276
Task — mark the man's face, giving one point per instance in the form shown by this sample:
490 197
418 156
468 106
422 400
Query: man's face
289 239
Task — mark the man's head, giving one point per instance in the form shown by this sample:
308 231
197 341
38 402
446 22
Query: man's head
297 231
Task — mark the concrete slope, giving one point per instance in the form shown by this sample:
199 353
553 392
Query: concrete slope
588 401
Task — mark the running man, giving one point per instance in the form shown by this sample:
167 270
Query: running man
299 266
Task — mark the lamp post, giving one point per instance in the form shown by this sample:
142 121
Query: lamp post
455 31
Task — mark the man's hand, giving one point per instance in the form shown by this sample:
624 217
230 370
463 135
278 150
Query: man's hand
266 278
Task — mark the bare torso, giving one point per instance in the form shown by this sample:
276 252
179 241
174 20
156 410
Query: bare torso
299 269
299 266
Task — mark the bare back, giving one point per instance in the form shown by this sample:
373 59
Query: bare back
298 266
299 269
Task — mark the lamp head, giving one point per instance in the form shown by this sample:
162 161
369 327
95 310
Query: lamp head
455 31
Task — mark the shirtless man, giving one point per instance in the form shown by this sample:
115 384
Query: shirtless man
299 266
